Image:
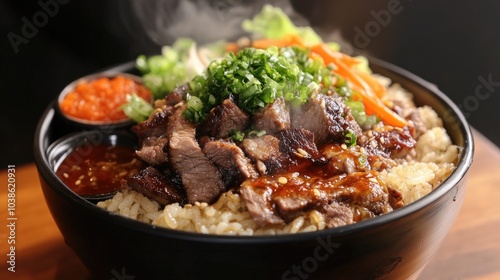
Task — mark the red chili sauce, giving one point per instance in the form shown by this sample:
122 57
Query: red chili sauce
98 169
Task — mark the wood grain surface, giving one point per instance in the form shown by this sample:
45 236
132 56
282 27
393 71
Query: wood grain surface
471 250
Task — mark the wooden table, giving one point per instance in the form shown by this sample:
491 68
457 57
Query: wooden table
470 251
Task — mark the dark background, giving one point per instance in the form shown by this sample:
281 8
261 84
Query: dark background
453 44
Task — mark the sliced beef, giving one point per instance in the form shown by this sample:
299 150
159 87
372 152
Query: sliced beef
155 125
224 118
152 135
342 199
177 95
153 184
265 152
297 143
344 161
200 178
273 118
327 117
154 150
388 141
233 165
336 215
259 206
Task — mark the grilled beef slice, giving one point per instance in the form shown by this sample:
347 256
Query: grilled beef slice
224 118
327 117
265 152
152 135
177 95
153 184
273 118
297 143
233 165
387 141
200 178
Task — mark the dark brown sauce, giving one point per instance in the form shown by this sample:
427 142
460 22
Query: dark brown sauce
98 169
319 180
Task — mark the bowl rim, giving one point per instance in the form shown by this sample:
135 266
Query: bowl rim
451 182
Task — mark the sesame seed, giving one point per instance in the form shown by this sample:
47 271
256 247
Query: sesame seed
373 143
322 104
298 154
81 177
282 180
362 150
344 146
65 175
316 192
382 140
78 182
370 133
373 180
302 152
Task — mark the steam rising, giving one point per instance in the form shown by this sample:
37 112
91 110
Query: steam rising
204 21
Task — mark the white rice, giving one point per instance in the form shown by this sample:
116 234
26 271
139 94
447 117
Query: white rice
434 161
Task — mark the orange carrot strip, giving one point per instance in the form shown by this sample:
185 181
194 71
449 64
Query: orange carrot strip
377 87
288 40
331 57
232 47
373 105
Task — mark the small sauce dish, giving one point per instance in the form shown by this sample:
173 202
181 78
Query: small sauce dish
93 164
95 100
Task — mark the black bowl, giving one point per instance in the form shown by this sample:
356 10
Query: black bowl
393 246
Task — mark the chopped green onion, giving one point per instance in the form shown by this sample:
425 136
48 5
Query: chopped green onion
237 135
350 138
256 77
137 108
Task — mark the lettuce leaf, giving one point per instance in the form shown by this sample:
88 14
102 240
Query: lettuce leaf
273 23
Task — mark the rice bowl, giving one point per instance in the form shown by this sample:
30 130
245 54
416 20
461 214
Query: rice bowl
397 244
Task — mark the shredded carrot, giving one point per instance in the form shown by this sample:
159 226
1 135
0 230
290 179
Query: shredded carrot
288 40
373 104
377 87
232 47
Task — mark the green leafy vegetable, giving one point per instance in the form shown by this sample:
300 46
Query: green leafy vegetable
137 108
162 73
273 23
